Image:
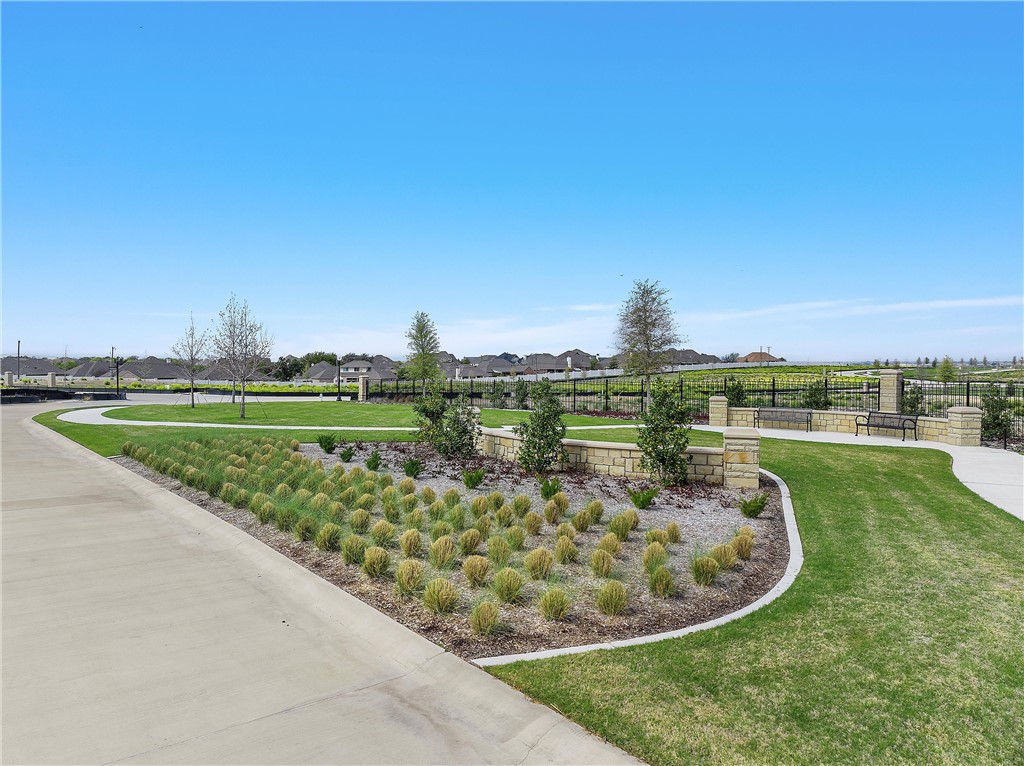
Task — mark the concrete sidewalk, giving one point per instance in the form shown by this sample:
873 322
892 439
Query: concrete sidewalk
137 628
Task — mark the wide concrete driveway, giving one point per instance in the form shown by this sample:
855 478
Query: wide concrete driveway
138 628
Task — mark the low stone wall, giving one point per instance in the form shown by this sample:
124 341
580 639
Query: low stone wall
962 428
734 465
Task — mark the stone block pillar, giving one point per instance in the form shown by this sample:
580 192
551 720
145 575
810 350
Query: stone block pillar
742 457
718 411
964 427
51 379
364 387
889 389
8 378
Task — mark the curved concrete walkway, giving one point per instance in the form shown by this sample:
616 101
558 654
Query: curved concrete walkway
137 628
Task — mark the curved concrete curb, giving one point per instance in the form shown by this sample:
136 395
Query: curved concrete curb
796 562
95 416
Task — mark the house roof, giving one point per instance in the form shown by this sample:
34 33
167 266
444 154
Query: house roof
29 366
759 356
90 370
152 368
322 371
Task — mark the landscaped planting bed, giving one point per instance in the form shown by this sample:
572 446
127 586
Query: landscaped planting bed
499 569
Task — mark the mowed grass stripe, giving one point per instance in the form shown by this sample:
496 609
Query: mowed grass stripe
900 640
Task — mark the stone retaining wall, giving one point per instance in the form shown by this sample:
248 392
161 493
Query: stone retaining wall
734 465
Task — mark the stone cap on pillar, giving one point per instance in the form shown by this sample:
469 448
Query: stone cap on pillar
741 433
964 410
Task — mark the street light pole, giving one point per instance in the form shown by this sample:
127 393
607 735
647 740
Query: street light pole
337 361
19 360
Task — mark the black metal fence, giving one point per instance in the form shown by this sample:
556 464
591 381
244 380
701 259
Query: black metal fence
929 397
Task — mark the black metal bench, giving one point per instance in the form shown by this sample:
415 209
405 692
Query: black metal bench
782 414
891 420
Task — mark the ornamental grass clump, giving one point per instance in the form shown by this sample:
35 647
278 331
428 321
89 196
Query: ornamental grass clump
373 462
469 541
561 500
654 556
483 525
553 604
516 536
428 495
596 510
440 596
480 506
704 569
227 492
411 543
328 538
352 549
265 512
359 520
743 546
610 543
521 505
440 529
612 598
538 563
409 576
389 496
753 507
656 536
582 521
383 533
392 513
508 585
406 487
498 551
484 618
347 496
442 552
451 497
565 530
376 562
551 512
633 516
303 495
620 526
366 502
601 563
408 503
457 517
320 502
725 555
747 530
504 516
306 529
672 532
566 551
285 519
415 519
241 499
476 568
660 582
336 511
436 510
533 522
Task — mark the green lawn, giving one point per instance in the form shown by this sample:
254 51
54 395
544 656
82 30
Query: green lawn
327 413
901 640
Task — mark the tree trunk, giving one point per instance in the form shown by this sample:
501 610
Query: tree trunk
241 412
192 392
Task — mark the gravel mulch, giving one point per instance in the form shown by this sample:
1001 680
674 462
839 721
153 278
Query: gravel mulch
706 515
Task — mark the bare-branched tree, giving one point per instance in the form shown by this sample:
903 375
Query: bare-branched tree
423 347
190 351
647 330
241 344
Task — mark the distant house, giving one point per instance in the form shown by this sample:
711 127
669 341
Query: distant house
689 356
31 367
217 374
150 368
760 356
540 364
322 372
91 370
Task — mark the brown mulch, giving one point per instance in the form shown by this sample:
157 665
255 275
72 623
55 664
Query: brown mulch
707 515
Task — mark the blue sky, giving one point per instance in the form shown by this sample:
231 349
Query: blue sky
838 181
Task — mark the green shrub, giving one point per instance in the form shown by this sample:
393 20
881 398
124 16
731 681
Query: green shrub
596 510
328 442
285 519
328 538
516 536
451 497
601 563
441 529
704 570
521 505
473 479
440 596
642 498
665 436
543 431
412 467
359 520
612 598
996 412
484 618
460 430
735 393
442 551
373 462
352 549
752 507
476 568
538 563
498 551
469 541
672 532
620 526
657 536
743 546
409 576
566 551
654 556
550 487
533 522
508 585
660 582
582 521
725 555
383 533
816 396
411 542
306 529
553 604
376 562
912 401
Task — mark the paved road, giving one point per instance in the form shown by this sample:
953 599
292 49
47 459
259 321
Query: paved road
138 628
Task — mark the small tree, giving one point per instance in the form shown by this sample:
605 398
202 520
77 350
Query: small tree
241 343
735 393
665 436
423 345
543 432
430 409
190 350
996 412
816 396
912 401
647 329
521 394
947 370
460 430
